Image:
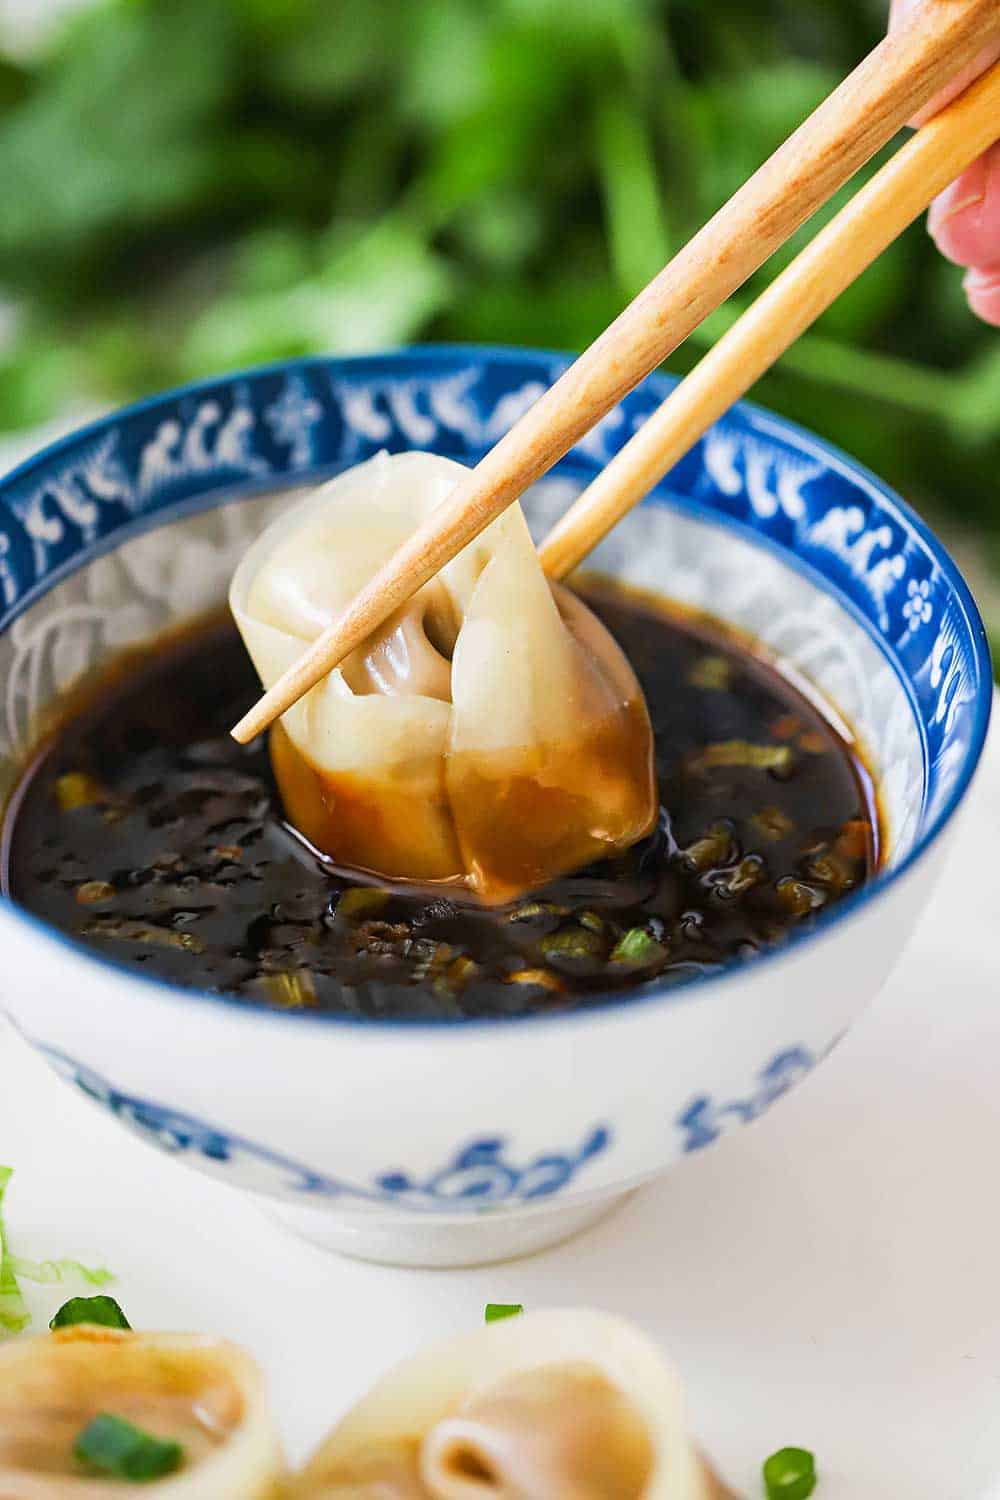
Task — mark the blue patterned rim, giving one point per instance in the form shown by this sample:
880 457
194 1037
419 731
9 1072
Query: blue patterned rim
300 420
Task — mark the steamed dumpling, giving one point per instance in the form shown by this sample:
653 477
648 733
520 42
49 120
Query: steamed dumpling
208 1396
568 1404
491 731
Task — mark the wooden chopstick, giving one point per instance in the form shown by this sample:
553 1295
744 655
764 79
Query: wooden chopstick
883 208
893 82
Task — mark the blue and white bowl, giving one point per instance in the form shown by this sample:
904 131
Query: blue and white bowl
446 1143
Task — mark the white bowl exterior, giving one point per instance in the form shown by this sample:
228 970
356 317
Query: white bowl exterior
662 1077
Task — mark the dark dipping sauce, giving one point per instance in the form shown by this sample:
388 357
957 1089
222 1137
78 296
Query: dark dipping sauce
143 830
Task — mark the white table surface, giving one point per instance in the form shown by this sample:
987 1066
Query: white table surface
827 1277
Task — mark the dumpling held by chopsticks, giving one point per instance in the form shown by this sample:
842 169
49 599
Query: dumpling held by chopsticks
559 1405
491 732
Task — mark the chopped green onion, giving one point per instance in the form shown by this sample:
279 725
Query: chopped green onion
790 1474
535 911
53 1272
114 1446
149 934
711 674
637 947
78 789
777 758
571 944
713 848
292 990
103 1312
361 900
14 1313
495 1311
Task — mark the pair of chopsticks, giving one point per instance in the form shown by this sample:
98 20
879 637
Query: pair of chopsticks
893 83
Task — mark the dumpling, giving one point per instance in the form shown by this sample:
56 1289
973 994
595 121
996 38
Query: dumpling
208 1396
569 1404
491 732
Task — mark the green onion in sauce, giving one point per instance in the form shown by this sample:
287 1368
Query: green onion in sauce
638 947
742 754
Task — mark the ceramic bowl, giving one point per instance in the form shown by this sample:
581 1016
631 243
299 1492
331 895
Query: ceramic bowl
450 1143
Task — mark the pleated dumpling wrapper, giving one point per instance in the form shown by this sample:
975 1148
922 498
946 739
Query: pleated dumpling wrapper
555 1405
207 1396
491 732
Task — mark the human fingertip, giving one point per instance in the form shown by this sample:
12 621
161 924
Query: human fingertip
964 221
982 289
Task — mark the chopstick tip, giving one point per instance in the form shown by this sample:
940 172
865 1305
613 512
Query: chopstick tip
248 727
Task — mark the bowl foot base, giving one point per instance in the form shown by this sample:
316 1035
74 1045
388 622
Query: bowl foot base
437 1243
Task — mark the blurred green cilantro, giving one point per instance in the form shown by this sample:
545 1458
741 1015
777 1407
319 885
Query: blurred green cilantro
195 184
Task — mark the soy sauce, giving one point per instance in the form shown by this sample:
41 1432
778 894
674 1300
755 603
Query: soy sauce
142 830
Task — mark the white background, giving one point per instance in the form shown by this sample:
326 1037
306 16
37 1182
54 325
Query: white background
826 1278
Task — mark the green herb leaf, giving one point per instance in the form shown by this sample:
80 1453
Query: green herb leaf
639 242
113 1446
305 184
102 1312
497 1311
790 1474
637 946
14 1313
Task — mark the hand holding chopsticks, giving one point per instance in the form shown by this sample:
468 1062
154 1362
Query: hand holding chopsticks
865 112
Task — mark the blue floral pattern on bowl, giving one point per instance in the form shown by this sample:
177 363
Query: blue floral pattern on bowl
478 1175
706 1120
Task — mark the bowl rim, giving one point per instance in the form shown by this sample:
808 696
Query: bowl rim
639 997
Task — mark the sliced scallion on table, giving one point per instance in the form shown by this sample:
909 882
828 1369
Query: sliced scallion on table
113 1446
790 1474
104 1312
495 1311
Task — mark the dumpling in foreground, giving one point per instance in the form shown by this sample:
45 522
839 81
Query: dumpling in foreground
559 1405
491 732
206 1396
